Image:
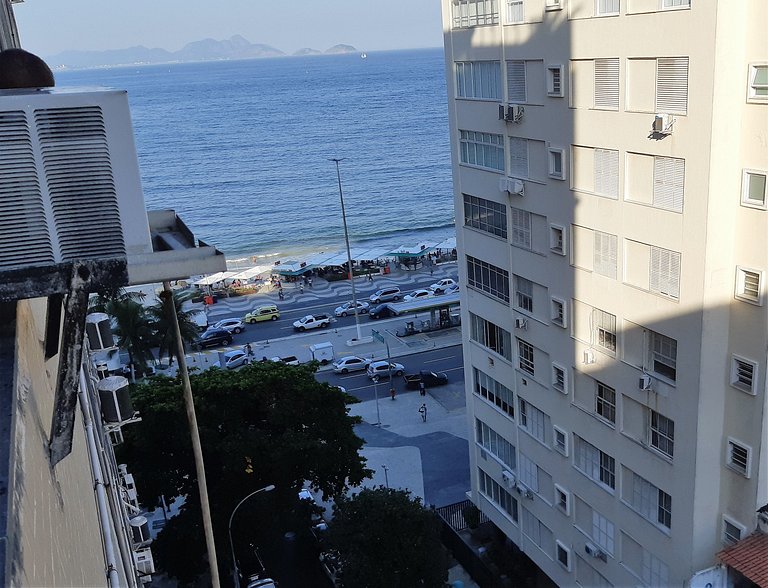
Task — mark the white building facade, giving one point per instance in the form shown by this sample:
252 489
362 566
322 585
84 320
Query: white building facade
609 167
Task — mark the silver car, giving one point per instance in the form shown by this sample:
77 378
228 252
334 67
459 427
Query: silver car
349 308
351 363
381 369
233 325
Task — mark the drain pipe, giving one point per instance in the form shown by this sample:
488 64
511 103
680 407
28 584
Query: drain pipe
98 484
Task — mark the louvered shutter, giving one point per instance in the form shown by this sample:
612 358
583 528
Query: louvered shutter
606 254
516 81
607 172
668 183
521 228
607 83
515 11
665 272
518 157
672 85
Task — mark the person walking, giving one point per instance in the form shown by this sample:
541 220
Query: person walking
370 277
423 413
301 288
422 388
248 350
392 393
309 282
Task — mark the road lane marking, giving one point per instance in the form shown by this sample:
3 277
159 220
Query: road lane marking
441 359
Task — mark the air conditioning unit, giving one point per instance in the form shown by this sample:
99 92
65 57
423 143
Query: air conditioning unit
515 187
145 565
508 478
115 399
71 188
514 113
645 382
528 494
521 324
589 357
98 328
662 124
594 551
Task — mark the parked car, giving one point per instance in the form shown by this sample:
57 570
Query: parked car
430 379
261 583
419 294
287 360
451 289
381 311
312 321
441 286
381 368
265 312
349 308
233 325
234 359
213 337
386 295
351 363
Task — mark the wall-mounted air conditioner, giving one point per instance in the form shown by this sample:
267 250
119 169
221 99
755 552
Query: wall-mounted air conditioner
514 113
508 478
663 123
521 324
98 328
145 565
644 382
115 399
589 357
71 187
594 551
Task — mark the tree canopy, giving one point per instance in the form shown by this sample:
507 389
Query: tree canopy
266 423
386 538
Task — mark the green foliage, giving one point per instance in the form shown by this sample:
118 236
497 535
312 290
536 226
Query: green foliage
162 321
386 538
267 423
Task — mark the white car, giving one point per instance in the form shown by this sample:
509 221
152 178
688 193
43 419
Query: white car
351 363
443 285
381 369
451 289
349 308
234 359
233 325
418 295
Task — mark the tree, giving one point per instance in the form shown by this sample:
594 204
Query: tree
267 423
386 538
162 321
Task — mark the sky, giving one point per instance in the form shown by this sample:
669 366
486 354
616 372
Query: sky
48 27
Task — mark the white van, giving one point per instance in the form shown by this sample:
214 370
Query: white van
322 352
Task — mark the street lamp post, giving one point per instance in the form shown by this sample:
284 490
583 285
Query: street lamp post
229 529
376 395
349 252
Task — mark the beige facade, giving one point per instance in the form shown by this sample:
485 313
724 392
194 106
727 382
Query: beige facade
613 237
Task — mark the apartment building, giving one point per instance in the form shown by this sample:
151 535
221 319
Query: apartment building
609 165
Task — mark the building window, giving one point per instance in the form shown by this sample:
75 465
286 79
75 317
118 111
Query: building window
559 379
607 172
605 254
525 356
482 149
650 502
662 433
518 157
474 13
596 464
672 85
731 531
758 83
655 571
737 458
605 402
563 556
537 532
529 473
524 294
743 374
668 4
604 325
602 532
494 392
516 89
490 336
665 272
560 440
488 278
480 80
534 421
562 499
753 189
515 12
662 359
748 285
607 78
496 445
668 183
558 312
491 489
555 81
557 239
485 215
521 228
557 164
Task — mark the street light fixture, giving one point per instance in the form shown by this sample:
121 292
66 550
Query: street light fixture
229 529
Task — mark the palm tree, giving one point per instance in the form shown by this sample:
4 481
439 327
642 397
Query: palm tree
162 321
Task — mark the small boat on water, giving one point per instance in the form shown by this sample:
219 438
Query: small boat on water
363 56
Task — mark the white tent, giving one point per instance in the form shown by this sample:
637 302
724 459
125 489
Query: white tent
252 272
212 279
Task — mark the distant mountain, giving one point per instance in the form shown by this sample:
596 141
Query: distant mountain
236 47
337 49
307 51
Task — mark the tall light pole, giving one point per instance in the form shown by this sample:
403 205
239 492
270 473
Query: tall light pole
229 529
349 252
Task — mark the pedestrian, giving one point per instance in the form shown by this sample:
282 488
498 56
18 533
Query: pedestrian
280 294
431 270
422 388
423 412
370 277
392 393
301 288
309 282
248 350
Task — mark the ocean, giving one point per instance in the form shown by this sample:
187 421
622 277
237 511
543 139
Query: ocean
241 149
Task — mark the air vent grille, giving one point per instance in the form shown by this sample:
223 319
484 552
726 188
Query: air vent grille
81 185
22 212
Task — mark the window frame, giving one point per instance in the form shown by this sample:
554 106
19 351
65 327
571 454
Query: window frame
605 404
493 281
745 200
564 448
526 357
735 379
493 391
605 332
557 244
724 537
558 503
509 10
617 12
657 357
552 70
598 466
475 140
665 6
521 234
751 89
730 446
523 294
742 273
552 154
560 547
661 439
473 75
486 215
